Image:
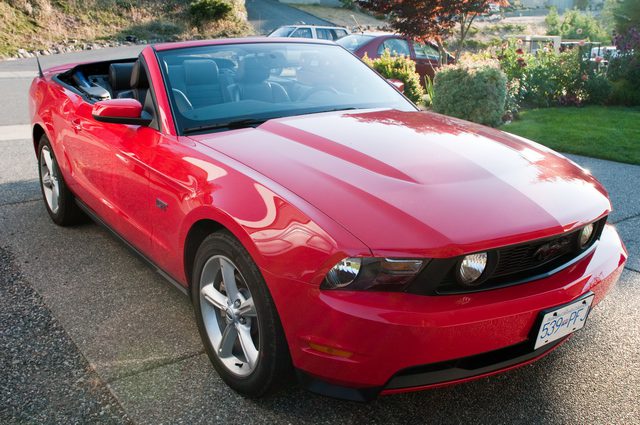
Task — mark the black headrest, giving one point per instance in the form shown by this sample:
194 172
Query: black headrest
199 72
253 70
120 75
138 77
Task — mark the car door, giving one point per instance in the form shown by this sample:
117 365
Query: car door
112 180
427 58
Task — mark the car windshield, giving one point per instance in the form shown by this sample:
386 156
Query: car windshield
282 32
239 85
354 41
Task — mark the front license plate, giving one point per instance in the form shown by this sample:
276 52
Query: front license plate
563 321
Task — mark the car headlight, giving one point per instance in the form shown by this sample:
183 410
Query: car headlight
381 274
585 235
471 268
344 273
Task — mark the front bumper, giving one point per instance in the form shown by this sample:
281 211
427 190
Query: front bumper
396 342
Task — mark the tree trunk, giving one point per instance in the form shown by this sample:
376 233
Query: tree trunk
465 26
443 54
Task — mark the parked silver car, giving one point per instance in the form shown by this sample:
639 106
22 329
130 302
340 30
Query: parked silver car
310 31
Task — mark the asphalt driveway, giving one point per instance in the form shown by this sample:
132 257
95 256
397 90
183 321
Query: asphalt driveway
267 15
134 336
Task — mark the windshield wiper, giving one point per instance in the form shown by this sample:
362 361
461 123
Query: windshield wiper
243 123
253 122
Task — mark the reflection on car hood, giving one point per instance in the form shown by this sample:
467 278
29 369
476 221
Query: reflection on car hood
418 183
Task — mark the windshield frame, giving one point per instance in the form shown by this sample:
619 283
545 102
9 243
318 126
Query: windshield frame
179 124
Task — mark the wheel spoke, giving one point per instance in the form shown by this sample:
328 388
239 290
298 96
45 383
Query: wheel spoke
214 297
54 195
247 308
227 341
46 181
250 352
229 278
47 159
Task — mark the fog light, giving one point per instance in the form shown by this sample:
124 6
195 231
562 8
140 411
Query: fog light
344 273
471 268
585 235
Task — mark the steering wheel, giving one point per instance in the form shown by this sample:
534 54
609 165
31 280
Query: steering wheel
318 89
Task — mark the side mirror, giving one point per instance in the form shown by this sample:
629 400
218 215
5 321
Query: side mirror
120 111
397 84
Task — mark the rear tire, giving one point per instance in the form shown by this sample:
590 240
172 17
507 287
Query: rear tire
237 318
58 199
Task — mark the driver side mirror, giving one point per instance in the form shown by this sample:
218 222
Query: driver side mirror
120 111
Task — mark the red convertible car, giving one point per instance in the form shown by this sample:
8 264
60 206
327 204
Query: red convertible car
320 222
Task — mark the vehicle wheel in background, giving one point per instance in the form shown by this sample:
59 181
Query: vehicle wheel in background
58 199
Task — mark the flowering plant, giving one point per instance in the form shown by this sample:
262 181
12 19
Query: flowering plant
541 79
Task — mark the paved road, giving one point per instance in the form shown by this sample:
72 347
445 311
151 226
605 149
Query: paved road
267 15
137 333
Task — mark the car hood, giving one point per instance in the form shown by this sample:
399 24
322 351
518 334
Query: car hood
418 183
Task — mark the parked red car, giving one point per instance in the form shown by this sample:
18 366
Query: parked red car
319 221
425 55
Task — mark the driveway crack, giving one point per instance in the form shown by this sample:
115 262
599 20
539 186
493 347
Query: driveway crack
155 365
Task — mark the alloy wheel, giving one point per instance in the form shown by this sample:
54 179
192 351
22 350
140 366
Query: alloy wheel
229 315
49 179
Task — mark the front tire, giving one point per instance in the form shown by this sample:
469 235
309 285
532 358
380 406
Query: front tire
237 319
57 197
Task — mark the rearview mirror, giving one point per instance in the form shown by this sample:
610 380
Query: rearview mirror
120 111
397 84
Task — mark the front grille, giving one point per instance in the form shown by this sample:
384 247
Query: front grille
508 265
525 257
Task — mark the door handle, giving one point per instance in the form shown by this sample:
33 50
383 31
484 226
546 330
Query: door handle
76 124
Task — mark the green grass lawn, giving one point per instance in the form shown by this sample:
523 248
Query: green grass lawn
601 132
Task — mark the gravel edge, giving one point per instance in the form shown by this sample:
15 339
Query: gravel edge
43 376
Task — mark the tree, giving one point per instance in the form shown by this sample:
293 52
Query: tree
432 19
553 21
607 16
578 25
627 15
581 4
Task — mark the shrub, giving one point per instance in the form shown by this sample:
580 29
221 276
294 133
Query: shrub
400 68
476 93
624 70
625 93
544 79
202 11
348 4
598 89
